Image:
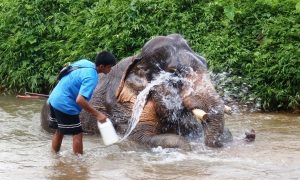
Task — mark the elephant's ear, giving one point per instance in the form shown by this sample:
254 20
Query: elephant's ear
130 65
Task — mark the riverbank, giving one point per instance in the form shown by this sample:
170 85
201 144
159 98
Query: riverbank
256 42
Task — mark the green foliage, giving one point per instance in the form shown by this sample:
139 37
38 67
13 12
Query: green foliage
255 40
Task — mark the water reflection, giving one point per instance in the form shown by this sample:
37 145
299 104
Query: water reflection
69 168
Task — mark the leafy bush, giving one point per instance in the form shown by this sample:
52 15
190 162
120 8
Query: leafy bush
255 40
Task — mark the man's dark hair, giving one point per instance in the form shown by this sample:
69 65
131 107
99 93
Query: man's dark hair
105 58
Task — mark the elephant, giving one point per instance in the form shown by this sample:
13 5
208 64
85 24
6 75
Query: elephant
179 100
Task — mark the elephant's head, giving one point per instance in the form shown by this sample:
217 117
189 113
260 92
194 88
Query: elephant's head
188 75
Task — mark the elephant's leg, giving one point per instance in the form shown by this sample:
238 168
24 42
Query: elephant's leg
147 131
145 134
45 118
170 141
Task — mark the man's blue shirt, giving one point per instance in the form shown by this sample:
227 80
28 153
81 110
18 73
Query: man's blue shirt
81 81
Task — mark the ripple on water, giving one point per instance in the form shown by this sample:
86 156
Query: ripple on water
25 151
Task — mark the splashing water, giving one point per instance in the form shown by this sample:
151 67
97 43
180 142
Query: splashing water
141 100
173 101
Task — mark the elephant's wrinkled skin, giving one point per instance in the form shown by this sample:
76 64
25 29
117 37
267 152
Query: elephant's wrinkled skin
159 124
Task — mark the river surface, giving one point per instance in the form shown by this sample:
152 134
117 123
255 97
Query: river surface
25 151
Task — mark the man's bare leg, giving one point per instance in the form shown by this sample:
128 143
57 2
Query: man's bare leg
77 144
56 141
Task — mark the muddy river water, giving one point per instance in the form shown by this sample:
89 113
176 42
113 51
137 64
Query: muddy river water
25 151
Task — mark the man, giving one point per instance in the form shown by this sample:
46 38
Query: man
72 94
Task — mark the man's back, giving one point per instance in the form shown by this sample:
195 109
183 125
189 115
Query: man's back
80 81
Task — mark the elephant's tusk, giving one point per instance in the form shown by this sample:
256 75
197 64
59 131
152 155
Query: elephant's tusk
227 110
200 114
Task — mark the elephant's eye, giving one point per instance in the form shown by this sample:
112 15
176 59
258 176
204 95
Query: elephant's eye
172 70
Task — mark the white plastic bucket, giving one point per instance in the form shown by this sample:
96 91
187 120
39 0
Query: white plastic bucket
108 132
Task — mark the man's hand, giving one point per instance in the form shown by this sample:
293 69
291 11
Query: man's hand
82 102
101 117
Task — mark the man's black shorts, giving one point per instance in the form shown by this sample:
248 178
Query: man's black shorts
64 123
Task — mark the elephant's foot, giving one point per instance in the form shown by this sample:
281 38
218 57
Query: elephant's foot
250 136
169 141
145 133
163 140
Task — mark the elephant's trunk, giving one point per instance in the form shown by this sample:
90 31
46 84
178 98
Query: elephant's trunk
214 126
208 108
211 116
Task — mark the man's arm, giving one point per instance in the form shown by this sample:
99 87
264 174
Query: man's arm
88 108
